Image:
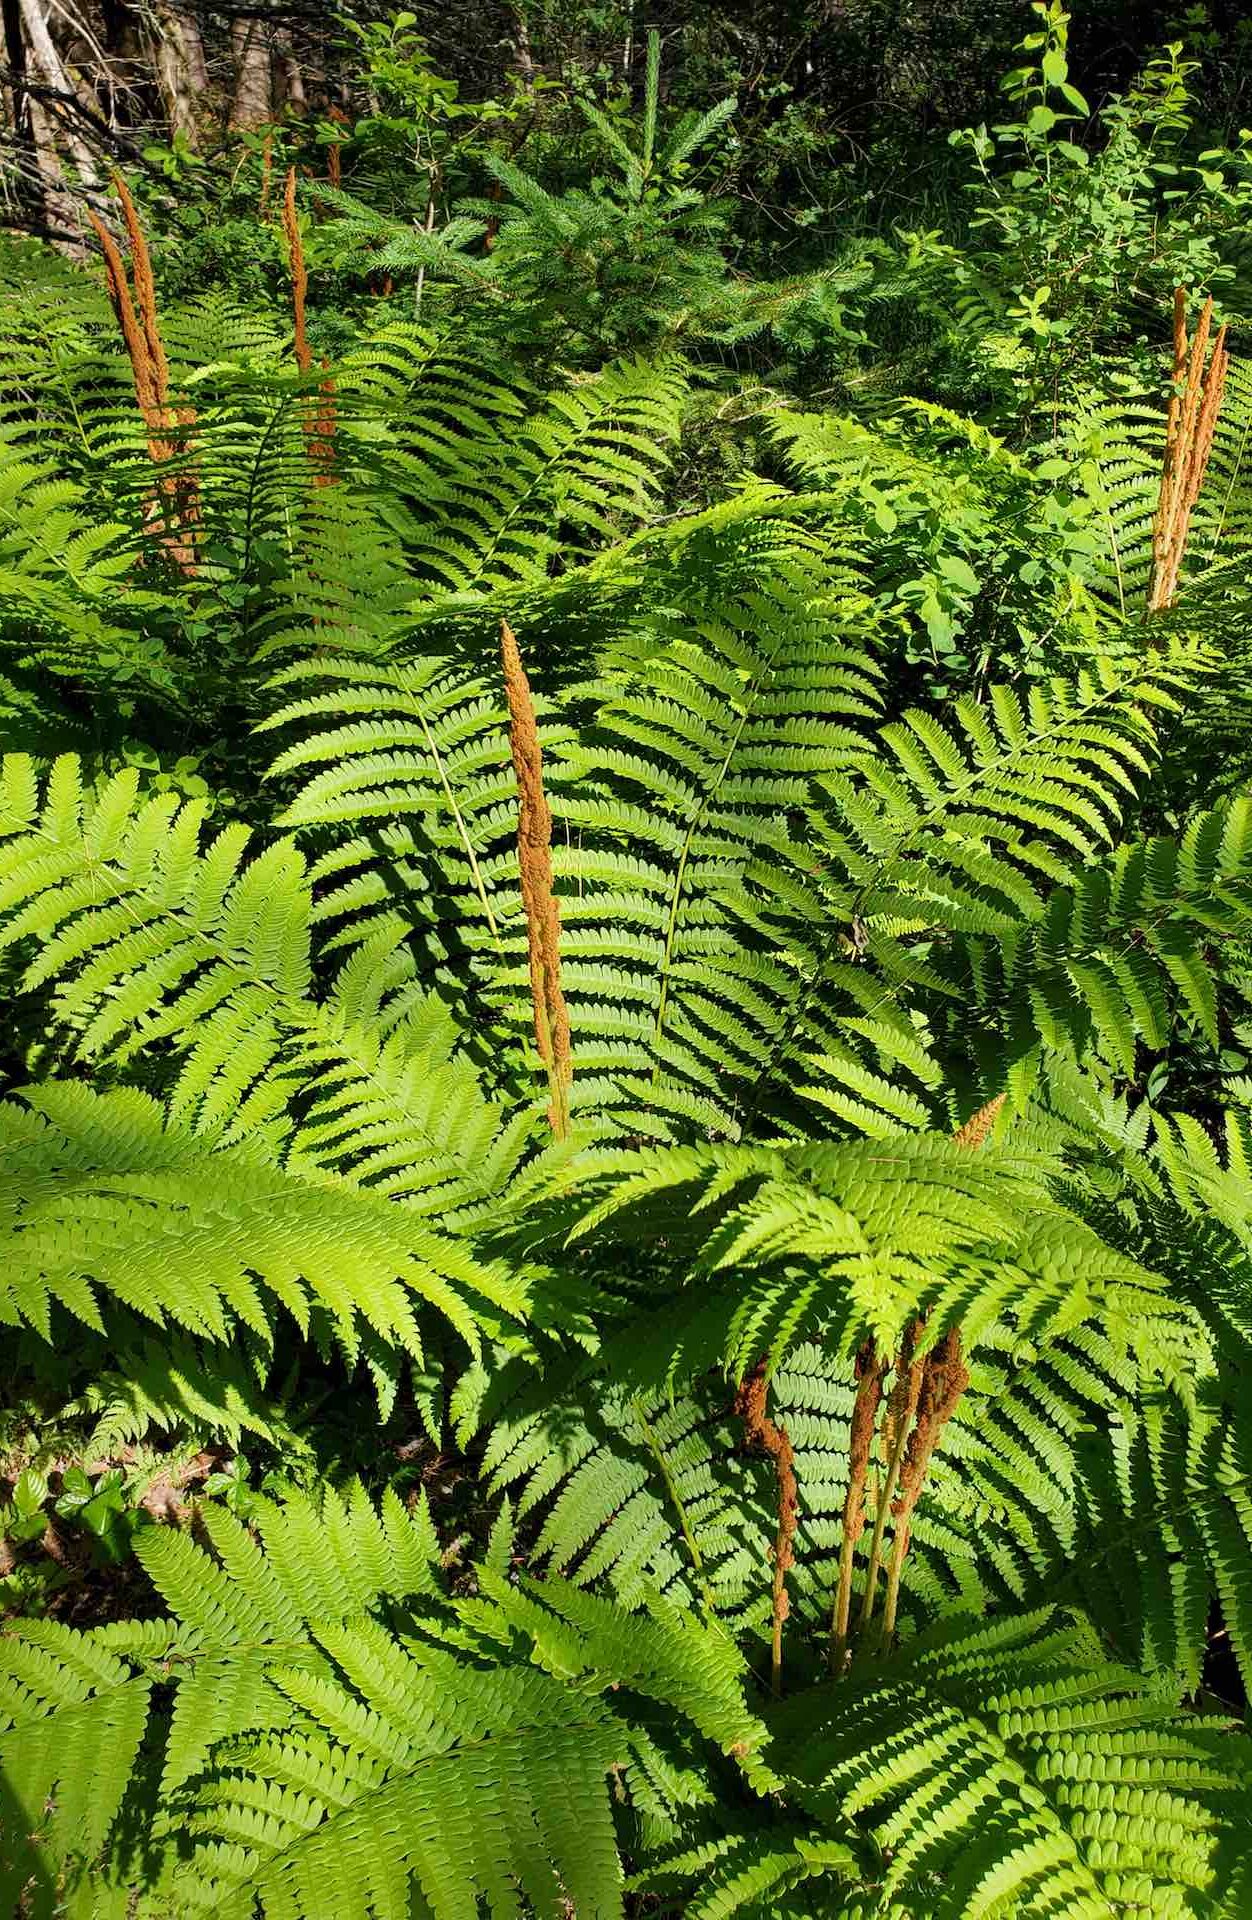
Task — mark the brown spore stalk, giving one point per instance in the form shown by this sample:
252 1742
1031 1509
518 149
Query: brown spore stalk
334 153
145 349
319 420
1194 402
751 1404
870 1370
299 272
925 1392
944 1379
539 901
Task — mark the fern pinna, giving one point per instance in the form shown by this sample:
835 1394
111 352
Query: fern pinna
603 1024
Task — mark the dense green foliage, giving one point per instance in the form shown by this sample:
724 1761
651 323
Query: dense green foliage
414 1505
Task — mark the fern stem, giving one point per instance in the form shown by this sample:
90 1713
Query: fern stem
750 1404
676 1500
463 831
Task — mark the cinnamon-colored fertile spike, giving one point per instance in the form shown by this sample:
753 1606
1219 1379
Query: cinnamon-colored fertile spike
924 1396
334 155
145 289
299 273
870 1369
141 335
977 1128
132 333
944 1379
1190 422
539 901
901 1407
750 1404
1201 446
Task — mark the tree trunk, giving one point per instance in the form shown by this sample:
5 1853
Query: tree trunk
294 95
521 44
60 210
30 179
193 47
253 102
45 63
181 70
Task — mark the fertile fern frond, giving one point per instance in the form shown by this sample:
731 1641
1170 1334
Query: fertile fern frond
722 708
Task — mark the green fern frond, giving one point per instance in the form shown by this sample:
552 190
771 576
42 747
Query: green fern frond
460 1752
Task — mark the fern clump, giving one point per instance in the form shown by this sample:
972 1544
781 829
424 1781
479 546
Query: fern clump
625 1162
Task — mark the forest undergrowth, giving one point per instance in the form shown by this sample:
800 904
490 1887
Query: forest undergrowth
626 929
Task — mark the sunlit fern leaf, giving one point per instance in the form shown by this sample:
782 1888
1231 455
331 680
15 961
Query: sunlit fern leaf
138 1385
104 1197
986 1768
419 755
73 1714
458 1753
492 512
671 810
634 1492
708 732
754 1871
1134 948
858 1236
1117 441
150 945
973 1760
